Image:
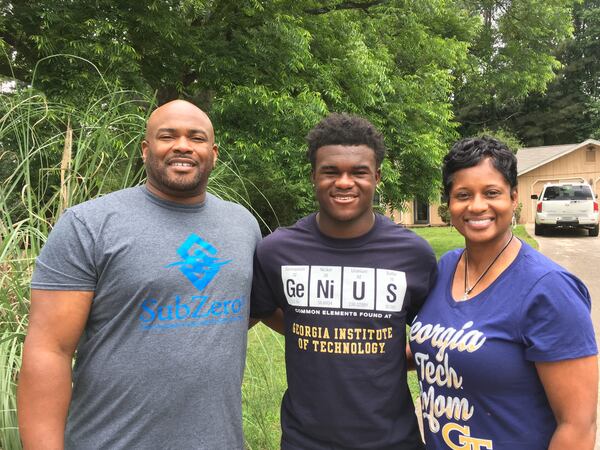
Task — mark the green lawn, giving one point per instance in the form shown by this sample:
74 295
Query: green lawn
264 379
263 388
443 239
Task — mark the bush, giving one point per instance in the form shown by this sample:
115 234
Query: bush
518 211
444 213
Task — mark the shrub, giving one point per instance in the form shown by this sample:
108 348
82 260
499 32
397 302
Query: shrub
444 213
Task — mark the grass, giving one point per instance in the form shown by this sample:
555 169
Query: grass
51 157
444 239
263 388
264 379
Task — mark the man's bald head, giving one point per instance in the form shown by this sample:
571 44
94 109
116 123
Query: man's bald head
173 110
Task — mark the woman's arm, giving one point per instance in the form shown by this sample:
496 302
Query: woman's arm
410 359
572 390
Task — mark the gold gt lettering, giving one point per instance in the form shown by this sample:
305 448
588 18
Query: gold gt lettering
465 441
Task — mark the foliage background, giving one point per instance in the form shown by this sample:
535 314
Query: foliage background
267 71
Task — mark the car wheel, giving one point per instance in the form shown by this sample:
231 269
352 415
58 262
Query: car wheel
594 231
539 230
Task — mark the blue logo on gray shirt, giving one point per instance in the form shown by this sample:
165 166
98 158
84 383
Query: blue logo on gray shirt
199 263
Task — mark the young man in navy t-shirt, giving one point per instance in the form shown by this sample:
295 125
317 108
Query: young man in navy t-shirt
342 285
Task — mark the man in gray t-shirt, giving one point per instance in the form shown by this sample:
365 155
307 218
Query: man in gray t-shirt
150 285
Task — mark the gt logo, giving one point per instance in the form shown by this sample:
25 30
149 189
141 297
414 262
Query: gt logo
465 441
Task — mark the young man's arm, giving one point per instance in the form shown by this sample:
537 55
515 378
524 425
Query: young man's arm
274 321
56 322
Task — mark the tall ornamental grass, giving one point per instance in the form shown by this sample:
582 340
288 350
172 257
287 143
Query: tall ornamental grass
52 156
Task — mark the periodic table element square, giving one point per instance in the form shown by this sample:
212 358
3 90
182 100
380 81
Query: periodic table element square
358 288
325 286
295 284
391 290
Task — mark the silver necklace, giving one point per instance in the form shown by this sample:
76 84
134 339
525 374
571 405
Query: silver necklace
487 269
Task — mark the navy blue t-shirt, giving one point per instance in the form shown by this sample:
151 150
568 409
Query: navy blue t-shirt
476 358
345 303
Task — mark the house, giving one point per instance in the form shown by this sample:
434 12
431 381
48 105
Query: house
535 166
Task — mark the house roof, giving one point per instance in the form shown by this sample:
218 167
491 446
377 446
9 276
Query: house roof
530 158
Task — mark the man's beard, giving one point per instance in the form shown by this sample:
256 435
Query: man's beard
158 176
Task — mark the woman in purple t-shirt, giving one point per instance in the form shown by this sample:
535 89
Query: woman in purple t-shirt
504 345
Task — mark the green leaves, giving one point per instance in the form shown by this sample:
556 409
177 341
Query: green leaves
513 54
267 71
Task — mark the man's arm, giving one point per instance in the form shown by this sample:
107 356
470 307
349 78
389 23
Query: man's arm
275 321
572 390
56 322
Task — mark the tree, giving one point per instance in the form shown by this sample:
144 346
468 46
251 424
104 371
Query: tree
505 136
569 111
267 71
390 64
512 57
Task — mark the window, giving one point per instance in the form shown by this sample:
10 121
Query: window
568 192
421 212
590 154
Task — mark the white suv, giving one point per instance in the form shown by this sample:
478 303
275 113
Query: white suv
566 205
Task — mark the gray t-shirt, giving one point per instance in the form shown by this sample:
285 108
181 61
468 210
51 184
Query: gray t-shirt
161 360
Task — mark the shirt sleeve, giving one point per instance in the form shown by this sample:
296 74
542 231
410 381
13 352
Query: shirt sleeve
263 302
557 322
66 261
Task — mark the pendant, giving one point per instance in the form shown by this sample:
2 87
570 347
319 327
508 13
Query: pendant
465 297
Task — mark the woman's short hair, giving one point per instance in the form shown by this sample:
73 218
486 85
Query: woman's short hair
471 151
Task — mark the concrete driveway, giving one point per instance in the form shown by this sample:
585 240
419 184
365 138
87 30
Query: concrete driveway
579 254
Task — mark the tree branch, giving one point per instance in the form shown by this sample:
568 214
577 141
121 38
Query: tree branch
345 5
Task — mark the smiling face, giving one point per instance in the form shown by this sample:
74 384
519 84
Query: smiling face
179 152
481 204
345 178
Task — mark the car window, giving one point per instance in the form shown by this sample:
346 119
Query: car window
568 192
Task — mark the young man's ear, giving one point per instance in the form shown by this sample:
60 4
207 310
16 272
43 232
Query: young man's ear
378 175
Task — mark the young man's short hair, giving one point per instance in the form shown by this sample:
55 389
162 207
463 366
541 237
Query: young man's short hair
345 129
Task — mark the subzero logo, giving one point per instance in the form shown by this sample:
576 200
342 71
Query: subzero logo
199 263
